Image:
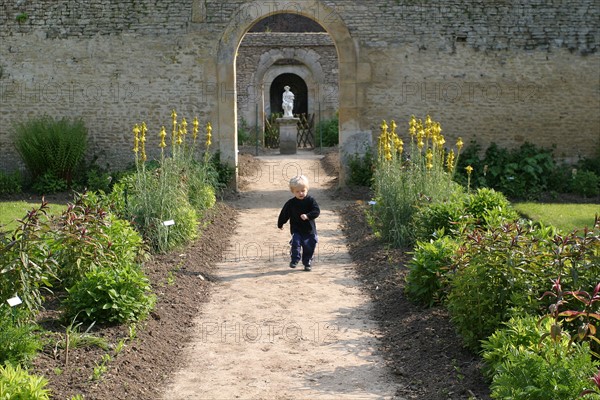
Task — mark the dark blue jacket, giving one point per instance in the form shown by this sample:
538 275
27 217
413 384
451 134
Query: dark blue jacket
292 210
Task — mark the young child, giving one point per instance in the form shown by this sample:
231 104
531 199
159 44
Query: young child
301 210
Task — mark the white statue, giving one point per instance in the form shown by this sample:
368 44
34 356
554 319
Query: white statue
288 103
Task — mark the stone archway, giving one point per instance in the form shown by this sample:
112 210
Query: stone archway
350 71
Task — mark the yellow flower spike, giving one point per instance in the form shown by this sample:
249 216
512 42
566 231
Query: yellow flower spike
393 127
421 144
429 156
136 138
184 125
163 135
469 169
180 134
450 161
174 116
195 125
428 121
459 144
208 135
429 166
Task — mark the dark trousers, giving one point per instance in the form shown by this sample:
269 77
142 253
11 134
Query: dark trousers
303 247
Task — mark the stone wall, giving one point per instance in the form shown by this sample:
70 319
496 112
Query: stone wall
499 70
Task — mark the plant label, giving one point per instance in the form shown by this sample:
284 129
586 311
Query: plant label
169 222
14 301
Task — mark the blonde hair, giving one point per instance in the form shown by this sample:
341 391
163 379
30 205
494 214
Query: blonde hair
299 181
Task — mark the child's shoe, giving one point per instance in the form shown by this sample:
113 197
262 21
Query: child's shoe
307 268
293 264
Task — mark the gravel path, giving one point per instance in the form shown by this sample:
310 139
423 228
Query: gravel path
271 332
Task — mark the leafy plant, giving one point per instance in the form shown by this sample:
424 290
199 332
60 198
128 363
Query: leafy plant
19 341
49 183
329 130
27 266
361 169
427 281
110 296
585 183
526 365
10 182
51 146
16 383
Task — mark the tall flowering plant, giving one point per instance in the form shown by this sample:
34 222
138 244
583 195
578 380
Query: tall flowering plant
406 176
166 201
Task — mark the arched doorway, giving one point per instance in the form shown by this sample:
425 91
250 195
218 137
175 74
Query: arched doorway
297 86
352 74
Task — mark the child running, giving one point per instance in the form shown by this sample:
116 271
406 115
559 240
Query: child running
301 210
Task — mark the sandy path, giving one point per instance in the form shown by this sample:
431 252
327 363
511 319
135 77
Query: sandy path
271 332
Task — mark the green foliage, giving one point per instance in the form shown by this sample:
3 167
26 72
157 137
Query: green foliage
27 266
508 267
19 341
10 182
524 363
110 295
224 172
585 183
51 146
243 133
498 269
442 216
427 281
361 169
17 384
49 183
329 129
74 338
87 236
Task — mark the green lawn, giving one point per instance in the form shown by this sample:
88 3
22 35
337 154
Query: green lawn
11 211
566 217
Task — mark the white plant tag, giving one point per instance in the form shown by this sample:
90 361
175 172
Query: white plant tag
169 222
14 301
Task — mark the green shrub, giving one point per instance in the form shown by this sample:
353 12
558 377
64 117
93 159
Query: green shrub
272 131
585 183
442 216
525 364
509 267
110 295
10 182
329 130
427 279
17 384
522 173
51 148
361 169
27 266
49 183
86 236
497 270
19 341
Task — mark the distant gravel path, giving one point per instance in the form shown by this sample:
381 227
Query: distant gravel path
271 332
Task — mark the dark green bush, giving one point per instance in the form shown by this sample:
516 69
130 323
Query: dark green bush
361 169
10 183
51 147
522 173
110 295
328 129
585 183
427 280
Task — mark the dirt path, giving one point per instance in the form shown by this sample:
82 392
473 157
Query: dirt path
271 332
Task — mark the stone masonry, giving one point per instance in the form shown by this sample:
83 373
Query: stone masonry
492 71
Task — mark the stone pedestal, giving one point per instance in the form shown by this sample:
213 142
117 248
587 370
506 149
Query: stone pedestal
288 135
